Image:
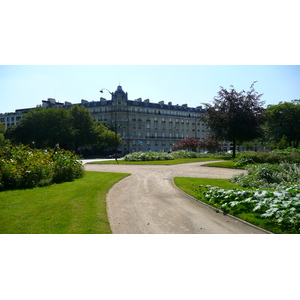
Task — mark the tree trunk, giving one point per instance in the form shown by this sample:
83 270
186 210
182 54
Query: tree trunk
233 148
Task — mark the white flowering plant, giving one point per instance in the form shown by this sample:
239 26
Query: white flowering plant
280 207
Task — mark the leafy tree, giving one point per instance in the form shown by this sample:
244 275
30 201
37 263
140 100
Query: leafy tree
2 128
82 125
235 116
3 141
106 138
283 123
70 129
43 127
190 144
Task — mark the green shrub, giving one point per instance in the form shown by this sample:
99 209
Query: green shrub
66 167
268 175
289 155
154 156
23 167
148 156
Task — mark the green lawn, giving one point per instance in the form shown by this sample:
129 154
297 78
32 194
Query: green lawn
224 164
71 207
157 162
190 184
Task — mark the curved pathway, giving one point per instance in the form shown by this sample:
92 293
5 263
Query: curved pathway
149 202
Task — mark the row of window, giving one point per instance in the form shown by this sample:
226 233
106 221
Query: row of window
162 120
146 111
156 135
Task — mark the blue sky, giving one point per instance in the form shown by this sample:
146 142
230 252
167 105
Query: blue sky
166 50
26 86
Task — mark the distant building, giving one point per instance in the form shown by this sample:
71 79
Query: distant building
142 125
146 126
9 119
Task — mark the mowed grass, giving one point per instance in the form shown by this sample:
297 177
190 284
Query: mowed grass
190 185
224 164
77 207
157 162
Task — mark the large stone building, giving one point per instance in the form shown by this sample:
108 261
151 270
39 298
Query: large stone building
142 125
146 126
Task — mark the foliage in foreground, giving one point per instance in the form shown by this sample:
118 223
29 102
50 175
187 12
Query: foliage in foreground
269 176
273 195
23 167
281 207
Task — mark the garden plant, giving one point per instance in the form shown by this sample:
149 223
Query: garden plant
24 167
158 156
280 208
271 193
268 195
289 155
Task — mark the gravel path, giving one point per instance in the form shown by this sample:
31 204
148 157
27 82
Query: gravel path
149 202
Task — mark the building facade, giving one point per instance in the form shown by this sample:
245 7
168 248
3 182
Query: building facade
142 125
9 119
146 126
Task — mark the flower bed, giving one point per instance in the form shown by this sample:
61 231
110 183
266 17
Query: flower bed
152 156
269 176
23 167
281 206
274 195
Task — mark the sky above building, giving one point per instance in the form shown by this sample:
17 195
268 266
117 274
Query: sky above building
23 86
169 50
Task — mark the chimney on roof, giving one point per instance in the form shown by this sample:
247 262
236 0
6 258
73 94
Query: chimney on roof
84 101
169 103
146 100
51 100
161 102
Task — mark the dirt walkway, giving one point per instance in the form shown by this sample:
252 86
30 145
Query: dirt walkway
149 202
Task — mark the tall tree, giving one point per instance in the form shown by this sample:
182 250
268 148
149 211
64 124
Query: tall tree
283 123
82 124
70 129
3 141
106 138
44 127
235 116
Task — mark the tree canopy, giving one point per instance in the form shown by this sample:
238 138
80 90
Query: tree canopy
71 129
3 141
235 116
283 124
